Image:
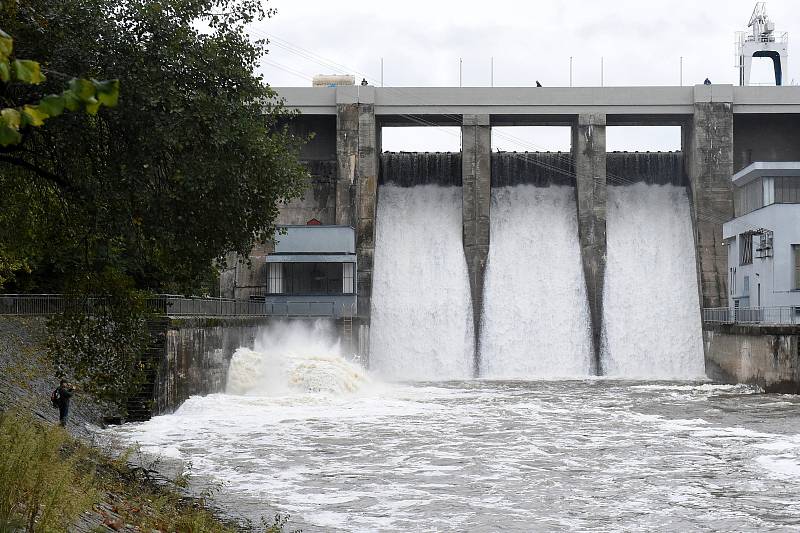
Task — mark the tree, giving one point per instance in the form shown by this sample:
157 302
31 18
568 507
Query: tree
189 166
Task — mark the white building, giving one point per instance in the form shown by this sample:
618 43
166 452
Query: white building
763 239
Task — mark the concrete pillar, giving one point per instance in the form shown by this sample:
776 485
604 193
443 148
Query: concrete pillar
708 155
357 179
476 148
589 151
346 158
367 197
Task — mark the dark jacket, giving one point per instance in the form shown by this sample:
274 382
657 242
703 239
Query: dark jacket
64 394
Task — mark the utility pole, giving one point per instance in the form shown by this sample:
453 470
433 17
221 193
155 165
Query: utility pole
381 72
459 71
491 68
681 71
601 71
570 71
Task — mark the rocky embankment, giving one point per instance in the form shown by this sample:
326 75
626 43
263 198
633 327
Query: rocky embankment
127 489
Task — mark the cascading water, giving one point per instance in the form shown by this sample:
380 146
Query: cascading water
535 315
651 316
421 323
291 357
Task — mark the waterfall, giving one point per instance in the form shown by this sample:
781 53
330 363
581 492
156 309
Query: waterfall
421 319
652 319
535 316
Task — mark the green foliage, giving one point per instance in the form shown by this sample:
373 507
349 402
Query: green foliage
44 486
190 165
101 336
89 94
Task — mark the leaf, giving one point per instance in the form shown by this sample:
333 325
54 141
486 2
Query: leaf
6 45
9 127
9 136
10 117
52 104
71 101
92 105
107 92
83 89
33 116
27 71
5 71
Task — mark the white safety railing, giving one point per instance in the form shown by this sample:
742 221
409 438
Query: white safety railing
786 315
171 305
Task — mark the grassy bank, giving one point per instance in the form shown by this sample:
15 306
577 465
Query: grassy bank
53 482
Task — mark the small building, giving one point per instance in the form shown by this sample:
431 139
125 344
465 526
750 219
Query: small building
312 271
763 238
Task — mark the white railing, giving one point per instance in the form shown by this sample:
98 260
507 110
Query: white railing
171 305
786 315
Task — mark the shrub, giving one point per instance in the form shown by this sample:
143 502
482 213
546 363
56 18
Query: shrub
44 487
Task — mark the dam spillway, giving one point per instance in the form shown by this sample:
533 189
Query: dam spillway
535 322
421 327
652 321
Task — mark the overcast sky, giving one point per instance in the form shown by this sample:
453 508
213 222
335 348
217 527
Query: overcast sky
641 43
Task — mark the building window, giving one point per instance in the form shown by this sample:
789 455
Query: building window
275 278
347 277
768 191
796 254
746 286
787 190
310 278
748 198
732 283
746 249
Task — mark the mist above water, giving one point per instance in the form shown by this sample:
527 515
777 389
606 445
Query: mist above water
291 357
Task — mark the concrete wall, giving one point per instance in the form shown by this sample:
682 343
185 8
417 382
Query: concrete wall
765 137
765 356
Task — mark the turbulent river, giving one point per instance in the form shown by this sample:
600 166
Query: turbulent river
590 455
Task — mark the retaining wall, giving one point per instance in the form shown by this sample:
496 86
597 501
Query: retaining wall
767 356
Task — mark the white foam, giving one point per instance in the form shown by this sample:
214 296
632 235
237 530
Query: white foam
294 356
421 323
651 311
535 314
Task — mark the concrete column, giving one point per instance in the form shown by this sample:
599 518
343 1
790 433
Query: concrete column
367 197
357 179
708 154
476 148
346 159
589 151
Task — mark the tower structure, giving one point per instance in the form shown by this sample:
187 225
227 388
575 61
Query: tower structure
761 40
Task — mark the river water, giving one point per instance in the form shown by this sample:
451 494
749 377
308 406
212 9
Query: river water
591 455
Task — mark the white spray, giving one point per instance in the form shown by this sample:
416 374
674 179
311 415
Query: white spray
421 324
294 356
535 314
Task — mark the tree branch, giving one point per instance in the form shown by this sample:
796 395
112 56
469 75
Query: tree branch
42 173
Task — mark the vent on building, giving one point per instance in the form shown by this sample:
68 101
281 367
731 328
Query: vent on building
764 249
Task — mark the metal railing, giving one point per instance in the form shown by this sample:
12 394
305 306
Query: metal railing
786 315
172 305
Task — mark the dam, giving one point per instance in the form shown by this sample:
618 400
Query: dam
569 283
537 224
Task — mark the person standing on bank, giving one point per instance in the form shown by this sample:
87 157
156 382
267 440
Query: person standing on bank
60 399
